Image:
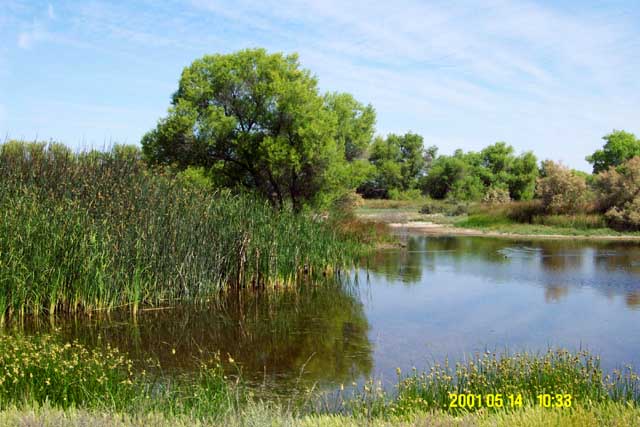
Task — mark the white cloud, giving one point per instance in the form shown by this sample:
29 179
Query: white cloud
541 77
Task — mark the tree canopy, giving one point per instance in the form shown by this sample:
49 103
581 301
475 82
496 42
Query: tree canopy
620 146
257 120
399 162
468 176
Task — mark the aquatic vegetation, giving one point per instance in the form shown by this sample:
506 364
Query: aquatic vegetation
518 378
99 230
44 373
43 369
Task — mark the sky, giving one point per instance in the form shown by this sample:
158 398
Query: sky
549 76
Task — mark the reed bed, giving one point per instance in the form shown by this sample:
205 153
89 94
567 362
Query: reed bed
99 230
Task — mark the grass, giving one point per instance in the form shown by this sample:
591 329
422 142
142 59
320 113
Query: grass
99 231
47 382
42 370
553 225
520 375
611 415
528 218
524 218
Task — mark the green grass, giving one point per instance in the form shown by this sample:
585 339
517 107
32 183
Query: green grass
99 230
47 382
555 225
393 204
42 369
259 415
521 374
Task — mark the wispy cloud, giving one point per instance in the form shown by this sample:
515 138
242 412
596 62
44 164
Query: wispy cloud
467 70
547 76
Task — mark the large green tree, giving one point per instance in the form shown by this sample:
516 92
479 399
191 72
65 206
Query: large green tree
399 162
619 147
257 120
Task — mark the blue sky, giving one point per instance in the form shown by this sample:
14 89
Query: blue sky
547 76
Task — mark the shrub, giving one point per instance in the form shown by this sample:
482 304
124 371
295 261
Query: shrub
560 189
348 202
468 188
496 196
395 194
448 208
619 194
626 217
523 212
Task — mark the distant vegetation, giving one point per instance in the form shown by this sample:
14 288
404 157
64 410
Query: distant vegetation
257 121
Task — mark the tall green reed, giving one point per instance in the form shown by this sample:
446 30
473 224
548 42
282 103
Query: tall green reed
99 230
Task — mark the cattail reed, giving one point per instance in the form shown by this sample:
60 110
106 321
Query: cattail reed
100 230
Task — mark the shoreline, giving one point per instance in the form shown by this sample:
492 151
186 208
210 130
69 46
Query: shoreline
429 228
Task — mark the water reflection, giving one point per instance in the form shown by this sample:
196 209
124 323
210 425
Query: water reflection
431 299
317 335
468 294
610 267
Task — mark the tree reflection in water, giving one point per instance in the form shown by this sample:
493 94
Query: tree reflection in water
559 265
317 335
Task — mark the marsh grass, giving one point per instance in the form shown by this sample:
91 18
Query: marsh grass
556 371
92 384
529 218
578 221
42 369
99 230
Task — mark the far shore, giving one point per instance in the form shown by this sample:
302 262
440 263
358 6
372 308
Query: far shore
429 228
408 219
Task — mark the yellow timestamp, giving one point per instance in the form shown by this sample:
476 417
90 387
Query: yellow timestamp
555 400
492 400
500 400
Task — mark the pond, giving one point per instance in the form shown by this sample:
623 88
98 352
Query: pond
436 297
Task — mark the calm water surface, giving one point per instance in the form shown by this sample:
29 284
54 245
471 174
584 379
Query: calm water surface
435 298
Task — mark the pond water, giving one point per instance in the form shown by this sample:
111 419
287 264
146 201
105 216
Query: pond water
436 297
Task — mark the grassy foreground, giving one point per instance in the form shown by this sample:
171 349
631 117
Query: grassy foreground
612 415
47 382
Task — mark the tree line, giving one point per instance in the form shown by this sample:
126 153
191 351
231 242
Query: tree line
257 120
